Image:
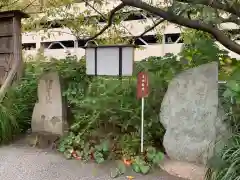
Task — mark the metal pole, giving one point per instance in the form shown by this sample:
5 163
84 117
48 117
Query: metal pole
142 124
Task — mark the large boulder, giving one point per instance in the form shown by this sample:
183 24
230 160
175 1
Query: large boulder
191 115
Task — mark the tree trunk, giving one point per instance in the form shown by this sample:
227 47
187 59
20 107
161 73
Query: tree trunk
8 82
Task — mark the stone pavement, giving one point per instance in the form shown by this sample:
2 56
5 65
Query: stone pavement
26 163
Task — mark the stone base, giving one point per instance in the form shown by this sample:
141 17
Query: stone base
183 169
39 140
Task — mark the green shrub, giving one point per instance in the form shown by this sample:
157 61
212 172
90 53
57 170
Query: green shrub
226 164
17 107
104 112
8 124
109 109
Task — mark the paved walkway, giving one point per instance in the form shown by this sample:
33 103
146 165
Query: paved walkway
26 163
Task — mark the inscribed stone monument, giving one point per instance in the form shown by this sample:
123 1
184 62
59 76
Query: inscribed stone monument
49 115
192 116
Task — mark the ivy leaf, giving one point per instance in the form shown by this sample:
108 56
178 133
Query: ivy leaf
67 154
158 158
98 157
234 85
151 152
145 169
150 156
99 160
136 168
62 149
105 146
228 93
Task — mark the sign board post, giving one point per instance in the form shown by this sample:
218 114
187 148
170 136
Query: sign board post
142 92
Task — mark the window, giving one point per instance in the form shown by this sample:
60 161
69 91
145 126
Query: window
28 46
173 38
58 45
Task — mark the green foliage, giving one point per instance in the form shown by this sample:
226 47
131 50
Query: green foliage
154 156
106 115
224 165
22 98
140 166
17 107
110 107
200 48
104 112
143 164
228 161
8 124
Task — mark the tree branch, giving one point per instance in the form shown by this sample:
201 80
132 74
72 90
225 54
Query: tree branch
155 25
28 5
110 21
214 4
194 24
150 28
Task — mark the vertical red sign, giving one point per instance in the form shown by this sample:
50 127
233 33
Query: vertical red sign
142 85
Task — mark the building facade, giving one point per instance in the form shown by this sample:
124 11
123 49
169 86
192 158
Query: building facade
61 42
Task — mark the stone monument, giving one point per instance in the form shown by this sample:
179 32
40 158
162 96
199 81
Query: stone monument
191 115
49 114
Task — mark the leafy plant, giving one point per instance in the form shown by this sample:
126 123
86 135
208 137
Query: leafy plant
154 156
228 161
104 112
140 166
106 116
8 124
17 107
225 162
108 108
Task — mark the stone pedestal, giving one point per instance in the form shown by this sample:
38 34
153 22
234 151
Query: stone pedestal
49 114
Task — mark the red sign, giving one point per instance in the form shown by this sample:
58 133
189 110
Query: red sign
142 85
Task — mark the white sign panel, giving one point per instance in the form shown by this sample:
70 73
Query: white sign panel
110 60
